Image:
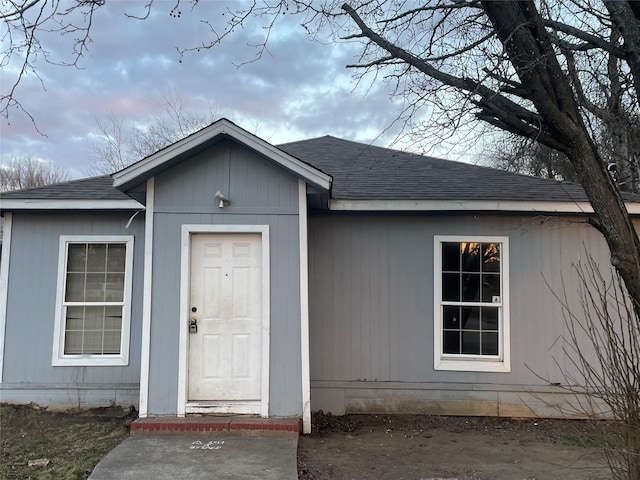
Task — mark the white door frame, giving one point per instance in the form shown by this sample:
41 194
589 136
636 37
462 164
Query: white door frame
185 280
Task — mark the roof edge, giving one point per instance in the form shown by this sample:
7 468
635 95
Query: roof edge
146 167
534 206
68 204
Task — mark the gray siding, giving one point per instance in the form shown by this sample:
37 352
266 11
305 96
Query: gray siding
28 373
371 314
260 194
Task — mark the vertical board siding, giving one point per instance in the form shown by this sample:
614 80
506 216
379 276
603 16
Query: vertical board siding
32 299
371 283
185 194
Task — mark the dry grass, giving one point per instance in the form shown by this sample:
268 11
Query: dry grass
70 443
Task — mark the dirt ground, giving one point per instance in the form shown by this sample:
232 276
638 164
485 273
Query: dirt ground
434 447
376 447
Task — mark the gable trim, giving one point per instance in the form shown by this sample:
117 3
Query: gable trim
469 205
68 204
148 166
4 284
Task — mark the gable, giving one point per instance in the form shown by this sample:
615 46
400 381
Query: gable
206 138
249 181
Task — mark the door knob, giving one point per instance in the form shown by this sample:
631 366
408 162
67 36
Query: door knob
193 326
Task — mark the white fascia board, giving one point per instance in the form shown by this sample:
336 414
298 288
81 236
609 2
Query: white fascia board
222 127
41 204
468 205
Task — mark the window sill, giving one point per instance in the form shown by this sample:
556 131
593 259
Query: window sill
467 365
90 361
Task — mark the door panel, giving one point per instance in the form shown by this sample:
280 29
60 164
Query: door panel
226 292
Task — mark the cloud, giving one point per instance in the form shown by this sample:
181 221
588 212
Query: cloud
298 89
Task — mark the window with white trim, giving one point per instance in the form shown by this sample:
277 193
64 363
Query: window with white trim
94 300
471 327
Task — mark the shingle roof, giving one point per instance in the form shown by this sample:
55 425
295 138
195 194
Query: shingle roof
94 188
366 172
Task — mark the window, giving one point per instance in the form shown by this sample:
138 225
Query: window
94 300
471 329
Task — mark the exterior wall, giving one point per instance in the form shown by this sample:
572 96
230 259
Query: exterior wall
260 194
371 313
33 272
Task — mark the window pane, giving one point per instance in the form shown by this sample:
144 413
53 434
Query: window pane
93 318
73 343
116 255
76 257
490 287
490 343
451 317
111 342
471 287
113 318
75 318
75 287
92 343
470 257
95 287
451 257
470 343
471 273
491 257
114 288
95 273
471 318
489 318
451 287
451 342
96 257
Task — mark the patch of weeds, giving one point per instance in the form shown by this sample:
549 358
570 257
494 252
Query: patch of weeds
72 442
582 440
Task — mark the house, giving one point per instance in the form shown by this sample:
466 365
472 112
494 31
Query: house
224 274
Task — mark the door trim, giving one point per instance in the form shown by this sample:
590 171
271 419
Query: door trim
185 279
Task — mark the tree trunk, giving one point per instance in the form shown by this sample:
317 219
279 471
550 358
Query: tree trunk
526 42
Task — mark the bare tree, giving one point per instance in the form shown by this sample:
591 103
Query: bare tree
525 156
26 23
602 346
117 144
29 172
504 62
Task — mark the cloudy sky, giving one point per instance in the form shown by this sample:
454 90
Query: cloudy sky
299 89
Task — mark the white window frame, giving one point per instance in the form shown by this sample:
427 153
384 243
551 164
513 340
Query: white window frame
472 363
59 358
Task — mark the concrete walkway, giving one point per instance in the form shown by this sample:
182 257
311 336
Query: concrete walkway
199 457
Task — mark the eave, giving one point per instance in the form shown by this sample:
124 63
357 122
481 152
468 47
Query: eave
469 205
69 204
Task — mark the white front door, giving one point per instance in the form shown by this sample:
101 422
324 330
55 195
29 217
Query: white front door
226 306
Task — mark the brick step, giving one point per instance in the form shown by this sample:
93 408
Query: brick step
222 426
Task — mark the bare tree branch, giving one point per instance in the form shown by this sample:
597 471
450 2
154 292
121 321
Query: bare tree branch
23 172
591 41
505 111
